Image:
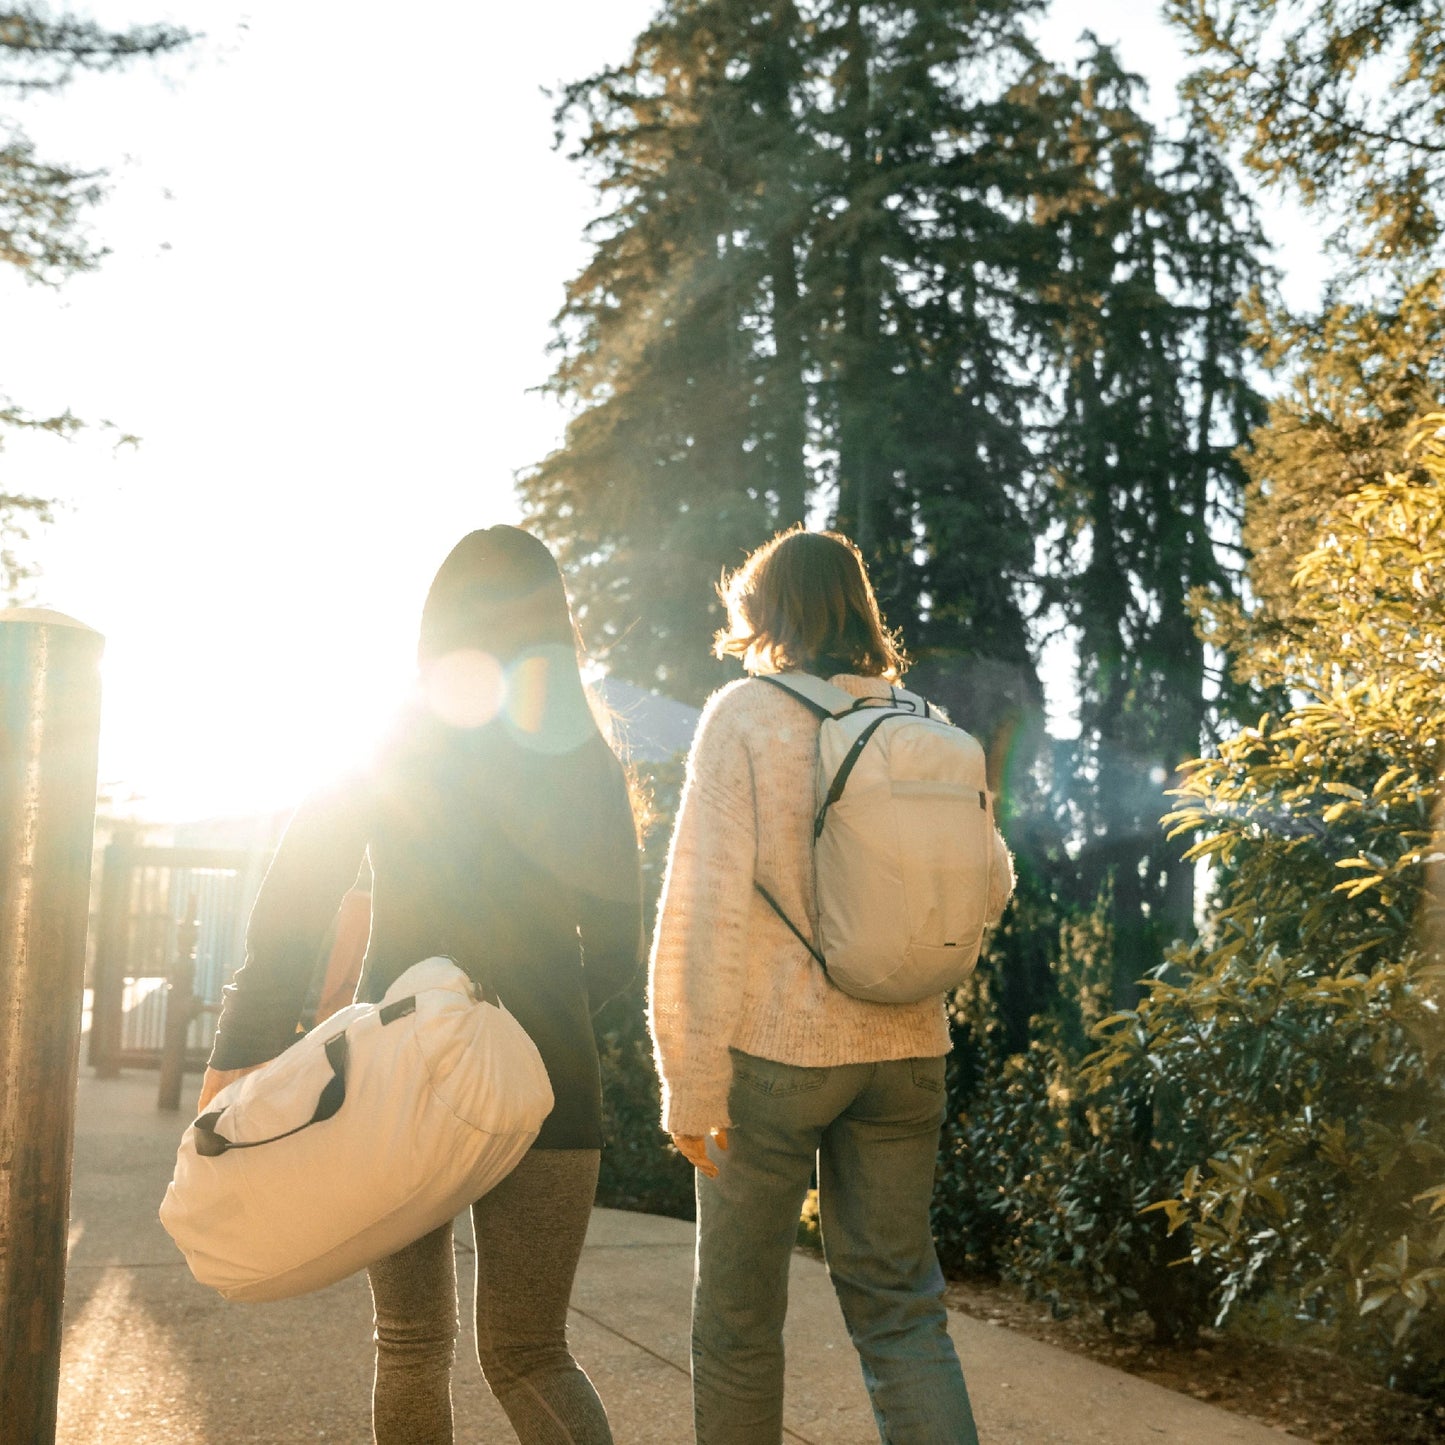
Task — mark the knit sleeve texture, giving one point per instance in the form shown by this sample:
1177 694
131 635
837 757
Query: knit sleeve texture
1001 879
698 964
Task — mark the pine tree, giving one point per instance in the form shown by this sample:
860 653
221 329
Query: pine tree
920 278
1154 250
1344 99
41 205
882 265
667 469
771 323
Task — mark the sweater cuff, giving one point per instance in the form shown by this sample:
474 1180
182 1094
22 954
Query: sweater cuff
694 1114
258 1040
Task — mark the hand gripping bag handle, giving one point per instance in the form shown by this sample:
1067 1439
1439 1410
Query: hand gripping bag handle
210 1144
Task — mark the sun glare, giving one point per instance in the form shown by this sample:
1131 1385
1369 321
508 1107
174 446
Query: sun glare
465 689
245 726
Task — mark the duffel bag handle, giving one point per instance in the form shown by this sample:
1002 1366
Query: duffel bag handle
210 1144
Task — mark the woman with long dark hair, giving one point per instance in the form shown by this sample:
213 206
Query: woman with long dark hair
763 1059
499 831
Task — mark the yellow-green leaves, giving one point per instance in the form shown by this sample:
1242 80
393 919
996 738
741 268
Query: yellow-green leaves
1303 1033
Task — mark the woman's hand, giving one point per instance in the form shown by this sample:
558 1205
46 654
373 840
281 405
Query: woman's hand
693 1148
216 1080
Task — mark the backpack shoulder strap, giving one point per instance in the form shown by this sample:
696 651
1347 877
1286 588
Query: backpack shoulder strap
821 698
912 702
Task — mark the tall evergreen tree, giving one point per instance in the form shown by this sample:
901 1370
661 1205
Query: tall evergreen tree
1153 248
41 206
1344 99
688 443
882 265
920 277
775 322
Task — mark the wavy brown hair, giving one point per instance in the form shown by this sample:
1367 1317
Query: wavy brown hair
803 601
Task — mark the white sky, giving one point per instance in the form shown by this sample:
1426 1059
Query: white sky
338 237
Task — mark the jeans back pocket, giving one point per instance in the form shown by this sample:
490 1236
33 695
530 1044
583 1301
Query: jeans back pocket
928 1074
768 1076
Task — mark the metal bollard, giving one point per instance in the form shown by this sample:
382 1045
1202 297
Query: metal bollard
49 731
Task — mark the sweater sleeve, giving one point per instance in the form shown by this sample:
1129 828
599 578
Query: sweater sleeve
698 962
314 866
1001 879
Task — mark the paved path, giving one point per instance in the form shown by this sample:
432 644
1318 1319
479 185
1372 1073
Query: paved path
152 1358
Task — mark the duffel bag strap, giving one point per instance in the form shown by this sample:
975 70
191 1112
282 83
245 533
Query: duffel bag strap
210 1144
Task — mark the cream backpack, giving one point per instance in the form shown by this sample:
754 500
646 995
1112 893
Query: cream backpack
903 844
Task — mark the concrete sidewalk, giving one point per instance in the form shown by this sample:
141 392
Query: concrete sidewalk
152 1358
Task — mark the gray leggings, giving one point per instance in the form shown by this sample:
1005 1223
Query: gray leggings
529 1232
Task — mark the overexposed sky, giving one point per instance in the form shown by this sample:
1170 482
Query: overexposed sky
338 237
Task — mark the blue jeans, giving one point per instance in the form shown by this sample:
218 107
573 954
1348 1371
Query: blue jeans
873 1130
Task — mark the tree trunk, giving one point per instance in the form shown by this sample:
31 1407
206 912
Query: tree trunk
859 458
790 392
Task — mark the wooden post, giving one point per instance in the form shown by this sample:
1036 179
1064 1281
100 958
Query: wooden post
49 732
112 951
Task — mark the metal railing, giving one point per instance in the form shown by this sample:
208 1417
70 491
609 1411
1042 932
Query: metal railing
170 934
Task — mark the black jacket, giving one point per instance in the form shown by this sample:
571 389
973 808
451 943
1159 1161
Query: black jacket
519 864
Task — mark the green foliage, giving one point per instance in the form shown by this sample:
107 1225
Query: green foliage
1046 1176
42 52
1356 379
42 205
20 513
884 267
1146 476
1343 98
1303 1035
881 264
640 1168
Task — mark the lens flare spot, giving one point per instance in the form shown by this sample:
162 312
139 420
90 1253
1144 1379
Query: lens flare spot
547 709
465 689
527 694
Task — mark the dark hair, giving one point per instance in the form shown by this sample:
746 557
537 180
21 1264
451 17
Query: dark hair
498 591
803 600
498 606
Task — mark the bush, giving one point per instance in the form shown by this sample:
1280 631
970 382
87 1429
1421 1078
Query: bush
1045 1179
1304 1035
640 1168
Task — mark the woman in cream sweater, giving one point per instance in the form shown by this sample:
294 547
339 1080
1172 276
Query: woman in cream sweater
765 1060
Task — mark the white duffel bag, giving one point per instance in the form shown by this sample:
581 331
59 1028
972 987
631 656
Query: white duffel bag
382 1123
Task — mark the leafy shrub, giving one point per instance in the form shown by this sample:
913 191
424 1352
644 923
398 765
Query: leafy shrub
640 1168
1045 1178
1304 1035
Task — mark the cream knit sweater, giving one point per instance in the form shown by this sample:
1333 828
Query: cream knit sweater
725 971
